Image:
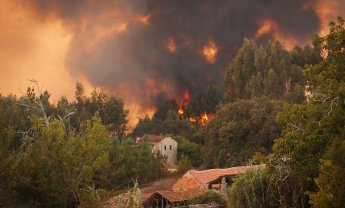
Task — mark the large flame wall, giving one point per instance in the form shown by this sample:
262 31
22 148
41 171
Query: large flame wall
144 51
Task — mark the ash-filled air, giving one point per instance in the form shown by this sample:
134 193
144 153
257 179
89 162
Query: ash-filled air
148 51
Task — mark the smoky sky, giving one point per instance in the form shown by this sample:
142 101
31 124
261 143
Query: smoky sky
136 63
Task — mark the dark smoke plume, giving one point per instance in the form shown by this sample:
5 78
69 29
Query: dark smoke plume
135 62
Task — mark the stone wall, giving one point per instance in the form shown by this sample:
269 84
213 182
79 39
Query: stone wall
168 147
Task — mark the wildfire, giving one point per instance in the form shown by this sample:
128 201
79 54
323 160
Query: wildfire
180 111
268 26
204 118
192 119
183 104
145 19
170 45
186 95
210 51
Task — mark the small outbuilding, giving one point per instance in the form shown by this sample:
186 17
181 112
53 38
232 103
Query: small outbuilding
195 183
212 179
170 198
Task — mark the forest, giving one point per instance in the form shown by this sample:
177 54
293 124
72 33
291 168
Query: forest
282 108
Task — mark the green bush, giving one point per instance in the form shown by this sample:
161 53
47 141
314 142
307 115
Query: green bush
251 189
184 164
331 180
207 198
55 167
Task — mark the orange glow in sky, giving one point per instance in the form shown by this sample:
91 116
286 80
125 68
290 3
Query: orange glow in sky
35 47
32 49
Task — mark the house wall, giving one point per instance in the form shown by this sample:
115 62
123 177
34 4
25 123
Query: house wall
168 147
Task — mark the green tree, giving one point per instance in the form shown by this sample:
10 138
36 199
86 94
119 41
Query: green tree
184 164
127 161
188 149
252 189
272 84
205 101
239 130
51 166
268 70
312 126
145 126
331 179
163 109
110 109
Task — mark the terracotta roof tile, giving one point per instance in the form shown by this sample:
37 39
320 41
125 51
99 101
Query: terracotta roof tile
199 179
151 138
206 176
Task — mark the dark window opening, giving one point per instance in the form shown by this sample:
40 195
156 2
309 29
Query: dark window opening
165 147
170 147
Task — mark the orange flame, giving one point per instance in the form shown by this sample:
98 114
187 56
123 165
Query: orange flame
186 95
192 119
170 45
210 51
268 26
183 104
180 111
204 118
145 19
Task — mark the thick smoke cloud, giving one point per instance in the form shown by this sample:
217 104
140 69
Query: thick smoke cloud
115 48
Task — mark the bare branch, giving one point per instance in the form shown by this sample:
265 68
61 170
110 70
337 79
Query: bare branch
39 102
29 106
26 134
296 127
330 110
68 115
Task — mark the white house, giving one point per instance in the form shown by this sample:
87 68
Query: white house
165 145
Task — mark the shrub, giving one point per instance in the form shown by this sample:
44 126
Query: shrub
207 198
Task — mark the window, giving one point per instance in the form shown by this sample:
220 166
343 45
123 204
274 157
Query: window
170 147
165 147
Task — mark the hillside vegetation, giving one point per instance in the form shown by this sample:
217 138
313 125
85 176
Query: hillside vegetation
285 109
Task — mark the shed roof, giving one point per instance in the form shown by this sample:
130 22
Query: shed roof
195 179
206 176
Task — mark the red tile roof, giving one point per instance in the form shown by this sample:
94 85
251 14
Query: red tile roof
152 138
195 179
206 176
